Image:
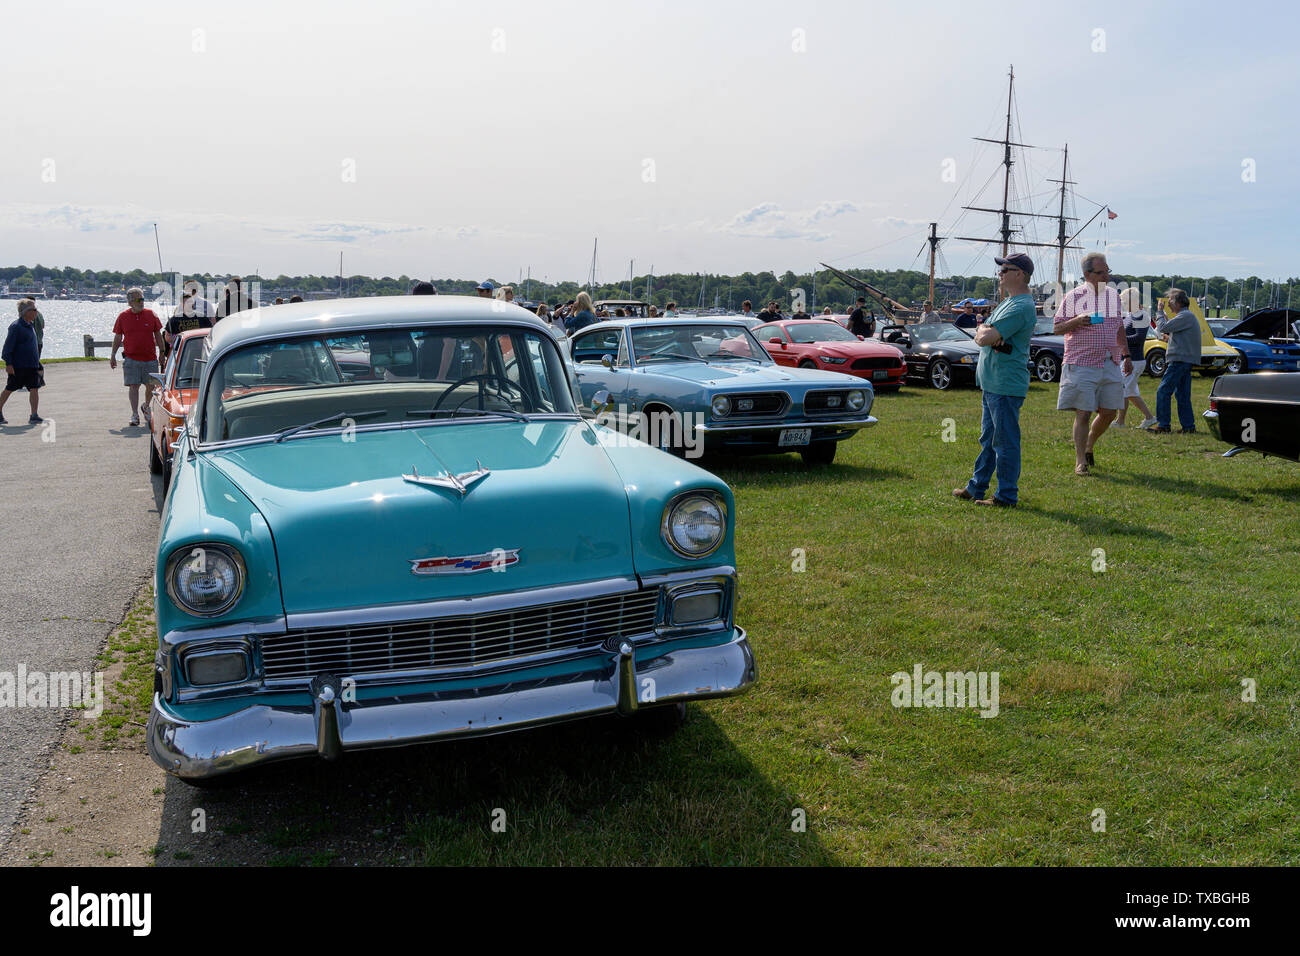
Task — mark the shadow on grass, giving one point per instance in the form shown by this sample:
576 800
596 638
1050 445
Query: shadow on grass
1094 524
768 469
1175 486
587 792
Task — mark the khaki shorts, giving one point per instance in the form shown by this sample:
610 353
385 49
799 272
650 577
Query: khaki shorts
1131 379
1086 388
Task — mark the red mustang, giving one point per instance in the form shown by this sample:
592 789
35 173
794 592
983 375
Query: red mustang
816 343
178 385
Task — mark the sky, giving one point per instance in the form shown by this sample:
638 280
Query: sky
467 139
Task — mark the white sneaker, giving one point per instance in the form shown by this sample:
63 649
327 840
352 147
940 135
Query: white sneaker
1149 422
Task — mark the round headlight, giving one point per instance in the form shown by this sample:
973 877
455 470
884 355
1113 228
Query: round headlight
857 400
205 579
721 406
695 524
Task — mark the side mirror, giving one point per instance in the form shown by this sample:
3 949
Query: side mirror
601 402
607 360
157 377
862 338
775 340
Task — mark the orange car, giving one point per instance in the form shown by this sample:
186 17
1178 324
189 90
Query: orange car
178 385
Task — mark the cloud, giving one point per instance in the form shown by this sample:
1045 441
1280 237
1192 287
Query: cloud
829 210
769 221
898 222
1193 257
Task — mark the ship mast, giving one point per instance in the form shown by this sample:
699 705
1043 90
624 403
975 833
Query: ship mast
1060 235
1005 212
934 245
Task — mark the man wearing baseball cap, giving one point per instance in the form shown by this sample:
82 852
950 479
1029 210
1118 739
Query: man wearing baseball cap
485 289
1003 376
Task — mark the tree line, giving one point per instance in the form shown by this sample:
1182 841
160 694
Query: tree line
688 290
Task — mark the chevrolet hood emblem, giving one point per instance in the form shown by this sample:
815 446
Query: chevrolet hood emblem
462 482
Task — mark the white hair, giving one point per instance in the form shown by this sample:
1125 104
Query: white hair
1089 259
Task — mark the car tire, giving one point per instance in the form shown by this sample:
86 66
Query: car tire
1156 363
1047 368
155 462
820 454
1238 364
807 364
677 451
939 374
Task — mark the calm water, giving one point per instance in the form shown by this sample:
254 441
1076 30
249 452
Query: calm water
67 322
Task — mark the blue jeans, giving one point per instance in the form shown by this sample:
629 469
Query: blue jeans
1177 381
999 448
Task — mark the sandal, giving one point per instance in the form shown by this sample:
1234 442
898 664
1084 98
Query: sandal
1081 469
1088 456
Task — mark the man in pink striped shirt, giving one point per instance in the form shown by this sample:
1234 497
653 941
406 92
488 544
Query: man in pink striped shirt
1096 357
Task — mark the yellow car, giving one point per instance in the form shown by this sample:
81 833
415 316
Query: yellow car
1216 356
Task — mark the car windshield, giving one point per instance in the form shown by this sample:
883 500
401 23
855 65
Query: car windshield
187 368
1044 325
388 376
806 334
938 332
695 342
1221 326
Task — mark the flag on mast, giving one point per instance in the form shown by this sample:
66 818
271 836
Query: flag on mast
1110 214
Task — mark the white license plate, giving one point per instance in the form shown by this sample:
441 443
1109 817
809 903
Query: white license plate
880 376
794 436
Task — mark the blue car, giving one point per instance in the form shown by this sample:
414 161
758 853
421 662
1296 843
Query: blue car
698 386
1266 341
388 523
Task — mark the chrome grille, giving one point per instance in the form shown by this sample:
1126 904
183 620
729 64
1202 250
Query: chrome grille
819 403
760 403
451 642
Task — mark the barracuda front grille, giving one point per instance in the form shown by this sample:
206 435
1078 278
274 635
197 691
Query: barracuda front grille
746 404
820 403
451 642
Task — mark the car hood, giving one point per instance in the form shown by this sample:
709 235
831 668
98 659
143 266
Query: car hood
954 345
348 527
741 373
1265 324
855 349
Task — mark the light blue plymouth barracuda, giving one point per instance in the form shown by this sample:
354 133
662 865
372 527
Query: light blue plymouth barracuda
696 386
388 523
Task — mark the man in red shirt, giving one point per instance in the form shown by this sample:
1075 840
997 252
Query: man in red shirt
140 331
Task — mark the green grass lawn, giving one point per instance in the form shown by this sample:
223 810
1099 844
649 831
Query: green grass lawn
1120 691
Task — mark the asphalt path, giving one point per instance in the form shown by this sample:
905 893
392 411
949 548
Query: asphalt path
79 521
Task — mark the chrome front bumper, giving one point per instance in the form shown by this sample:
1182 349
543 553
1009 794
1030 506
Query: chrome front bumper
261 733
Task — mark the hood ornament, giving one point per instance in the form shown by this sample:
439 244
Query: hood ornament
462 482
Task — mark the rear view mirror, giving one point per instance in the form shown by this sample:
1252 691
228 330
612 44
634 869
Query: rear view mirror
607 360
601 402
157 377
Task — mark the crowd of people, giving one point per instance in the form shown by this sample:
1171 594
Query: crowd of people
1104 334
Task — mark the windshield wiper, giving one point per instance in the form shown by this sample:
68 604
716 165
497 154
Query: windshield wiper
731 355
431 412
294 429
672 356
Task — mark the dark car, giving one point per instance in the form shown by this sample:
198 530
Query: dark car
938 352
1046 351
1266 341
1257 413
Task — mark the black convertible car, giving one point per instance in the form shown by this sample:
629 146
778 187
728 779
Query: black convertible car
1046 350
938 352
1257 413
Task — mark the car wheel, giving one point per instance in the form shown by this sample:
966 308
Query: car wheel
807 364
940 374
1237 364
662 429
155 462
820 454
1046 367
1156 363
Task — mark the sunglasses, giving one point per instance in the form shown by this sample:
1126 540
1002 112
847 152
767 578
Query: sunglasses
1003 272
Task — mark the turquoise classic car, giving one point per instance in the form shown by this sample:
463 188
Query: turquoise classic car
388 523
697 386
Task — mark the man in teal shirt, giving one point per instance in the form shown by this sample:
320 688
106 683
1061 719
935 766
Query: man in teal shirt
1003 375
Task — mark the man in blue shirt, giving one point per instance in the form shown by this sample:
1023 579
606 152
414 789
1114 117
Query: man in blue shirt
22 358
1003 375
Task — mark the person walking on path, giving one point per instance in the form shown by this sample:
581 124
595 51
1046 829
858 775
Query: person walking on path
138 333
1096 357
1184 352
1003 377
22 358
1137 321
